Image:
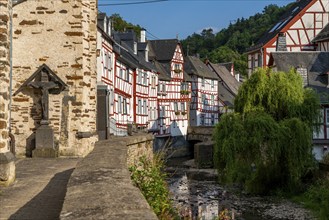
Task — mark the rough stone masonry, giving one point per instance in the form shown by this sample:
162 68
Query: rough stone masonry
62 35
7 163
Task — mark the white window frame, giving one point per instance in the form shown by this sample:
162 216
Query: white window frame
139 110
145 107
119 104
124 106
182 105
175 107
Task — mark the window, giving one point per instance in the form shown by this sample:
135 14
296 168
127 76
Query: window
145 79
203 99
139 111
212 119
153 81
109 63
260 63
202 119
139 77
327 116
119 104
127 75
177 66
163 111
124 106
212 100
121 73
163 87
203 82
145 107
182 106
184 86
175 106
212 83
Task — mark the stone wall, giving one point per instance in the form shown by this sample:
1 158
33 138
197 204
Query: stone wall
62 35
139 146
7 166
100 186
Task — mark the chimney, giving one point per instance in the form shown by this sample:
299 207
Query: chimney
143 36
281 43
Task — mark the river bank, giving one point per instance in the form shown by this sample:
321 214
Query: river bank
197 195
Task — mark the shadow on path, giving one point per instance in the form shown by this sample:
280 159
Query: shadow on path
48 203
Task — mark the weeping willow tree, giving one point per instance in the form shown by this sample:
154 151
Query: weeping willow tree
266 143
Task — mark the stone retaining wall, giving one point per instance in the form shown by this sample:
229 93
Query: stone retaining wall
100 187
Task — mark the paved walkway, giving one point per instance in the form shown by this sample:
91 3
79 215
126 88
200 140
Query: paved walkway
39 189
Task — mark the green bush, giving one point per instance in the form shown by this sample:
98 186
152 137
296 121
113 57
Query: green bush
149 177
316 198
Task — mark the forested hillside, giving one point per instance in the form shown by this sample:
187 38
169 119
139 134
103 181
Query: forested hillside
229 44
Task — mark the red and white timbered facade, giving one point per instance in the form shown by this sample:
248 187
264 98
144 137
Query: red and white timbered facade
173 104
307 19
105 80
204 107
153 100
205 102
145 98
123 90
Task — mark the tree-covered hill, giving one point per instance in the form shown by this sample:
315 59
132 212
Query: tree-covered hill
229 44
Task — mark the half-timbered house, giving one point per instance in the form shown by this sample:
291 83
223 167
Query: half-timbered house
228 86
105 77
167 56
204 107
295 31
144 80
314 68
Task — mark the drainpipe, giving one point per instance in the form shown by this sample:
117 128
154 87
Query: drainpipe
10 60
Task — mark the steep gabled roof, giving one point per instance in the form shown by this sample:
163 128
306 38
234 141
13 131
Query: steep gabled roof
323 35
162 50
226 78
194 66
225 95
317 66
163 69
127 55
292 12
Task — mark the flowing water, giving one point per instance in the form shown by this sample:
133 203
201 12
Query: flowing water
197 195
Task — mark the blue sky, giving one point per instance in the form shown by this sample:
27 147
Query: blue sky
167 19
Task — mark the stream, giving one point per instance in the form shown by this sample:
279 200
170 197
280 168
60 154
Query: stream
197 195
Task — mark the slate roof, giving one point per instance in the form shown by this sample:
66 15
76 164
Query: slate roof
162 69
231 84
224 95
194 66
292 12
127 55
162 50
316 63
323 35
